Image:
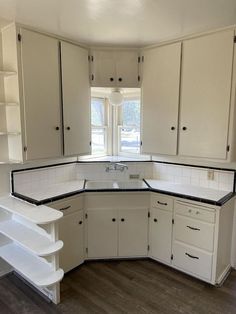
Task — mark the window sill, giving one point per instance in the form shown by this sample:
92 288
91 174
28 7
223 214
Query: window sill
113 158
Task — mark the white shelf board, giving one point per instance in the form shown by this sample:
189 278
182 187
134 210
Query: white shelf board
9 161
9 133
31 267
9 104
37 214
7 73
29 239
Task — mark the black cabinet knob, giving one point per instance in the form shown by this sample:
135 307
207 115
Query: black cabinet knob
120 79
155 220
57 128
68 128
184 128
111 79
80 222
122 219
172 128
113 219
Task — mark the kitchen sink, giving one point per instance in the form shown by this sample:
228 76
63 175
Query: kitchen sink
107 185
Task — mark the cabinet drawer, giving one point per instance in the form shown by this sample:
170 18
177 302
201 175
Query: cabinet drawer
195 211
194 232
161 202
192 260
68 206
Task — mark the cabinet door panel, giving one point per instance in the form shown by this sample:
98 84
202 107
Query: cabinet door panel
102 233
103 69
133 232
71 232
160 234
41 92
160 99
205 95
127 69
76 99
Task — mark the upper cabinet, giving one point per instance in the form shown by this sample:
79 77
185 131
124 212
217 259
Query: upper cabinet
187 100
41 95
109 68
205 95
160 99
75 99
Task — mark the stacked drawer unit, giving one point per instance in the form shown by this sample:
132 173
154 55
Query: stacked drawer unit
199 240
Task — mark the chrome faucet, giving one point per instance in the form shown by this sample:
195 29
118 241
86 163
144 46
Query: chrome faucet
116 166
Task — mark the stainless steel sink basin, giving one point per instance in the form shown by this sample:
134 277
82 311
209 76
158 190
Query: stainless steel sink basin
107 185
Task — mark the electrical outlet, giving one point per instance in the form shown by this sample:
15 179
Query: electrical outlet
210 174
134 176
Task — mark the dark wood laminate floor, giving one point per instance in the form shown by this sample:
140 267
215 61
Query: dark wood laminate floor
141 286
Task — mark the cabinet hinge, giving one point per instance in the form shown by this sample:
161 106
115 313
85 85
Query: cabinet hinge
88 58
139 59
86 216
228 148
148 247
142 58
141 143
138 77
173 221
25 148
234 39
19 37
92 77
90 143
172 257
91 58
149 215
86 250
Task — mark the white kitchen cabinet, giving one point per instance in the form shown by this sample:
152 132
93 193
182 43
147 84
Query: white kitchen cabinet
71 232
160 99
133 232
41 95
160 234
205 95
102 233
111 68
76 99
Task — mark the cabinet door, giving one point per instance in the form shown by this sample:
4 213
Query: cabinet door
103 69
160 98
205 95
71 232
127 69
133 232
41 92
160 234
76 99
102 233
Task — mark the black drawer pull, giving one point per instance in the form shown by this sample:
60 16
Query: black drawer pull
193 228
155 220
162 203
65 208
80 222
122 219
191 256
113 219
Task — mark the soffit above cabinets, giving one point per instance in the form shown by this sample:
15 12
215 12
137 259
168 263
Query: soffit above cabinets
133 23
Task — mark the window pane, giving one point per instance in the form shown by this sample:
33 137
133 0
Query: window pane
98 140
97 111
130 140
131 113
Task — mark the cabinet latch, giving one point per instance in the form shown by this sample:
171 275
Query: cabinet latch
227 148
172 257
86 216
148 214
148 247
19 37
25 148
235 39
173 221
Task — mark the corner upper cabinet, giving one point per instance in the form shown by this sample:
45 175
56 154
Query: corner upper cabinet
41 95
76 99
109 68
205 95
160 99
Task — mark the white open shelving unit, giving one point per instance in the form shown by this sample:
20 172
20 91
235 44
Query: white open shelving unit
29 243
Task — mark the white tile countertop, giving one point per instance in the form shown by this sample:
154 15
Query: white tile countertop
187 189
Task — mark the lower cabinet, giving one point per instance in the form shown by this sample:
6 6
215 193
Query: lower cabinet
160 234
71 232
112 233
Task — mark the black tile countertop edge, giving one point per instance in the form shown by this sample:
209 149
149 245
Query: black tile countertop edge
220 202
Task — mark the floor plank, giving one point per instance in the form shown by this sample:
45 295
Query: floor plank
127 286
